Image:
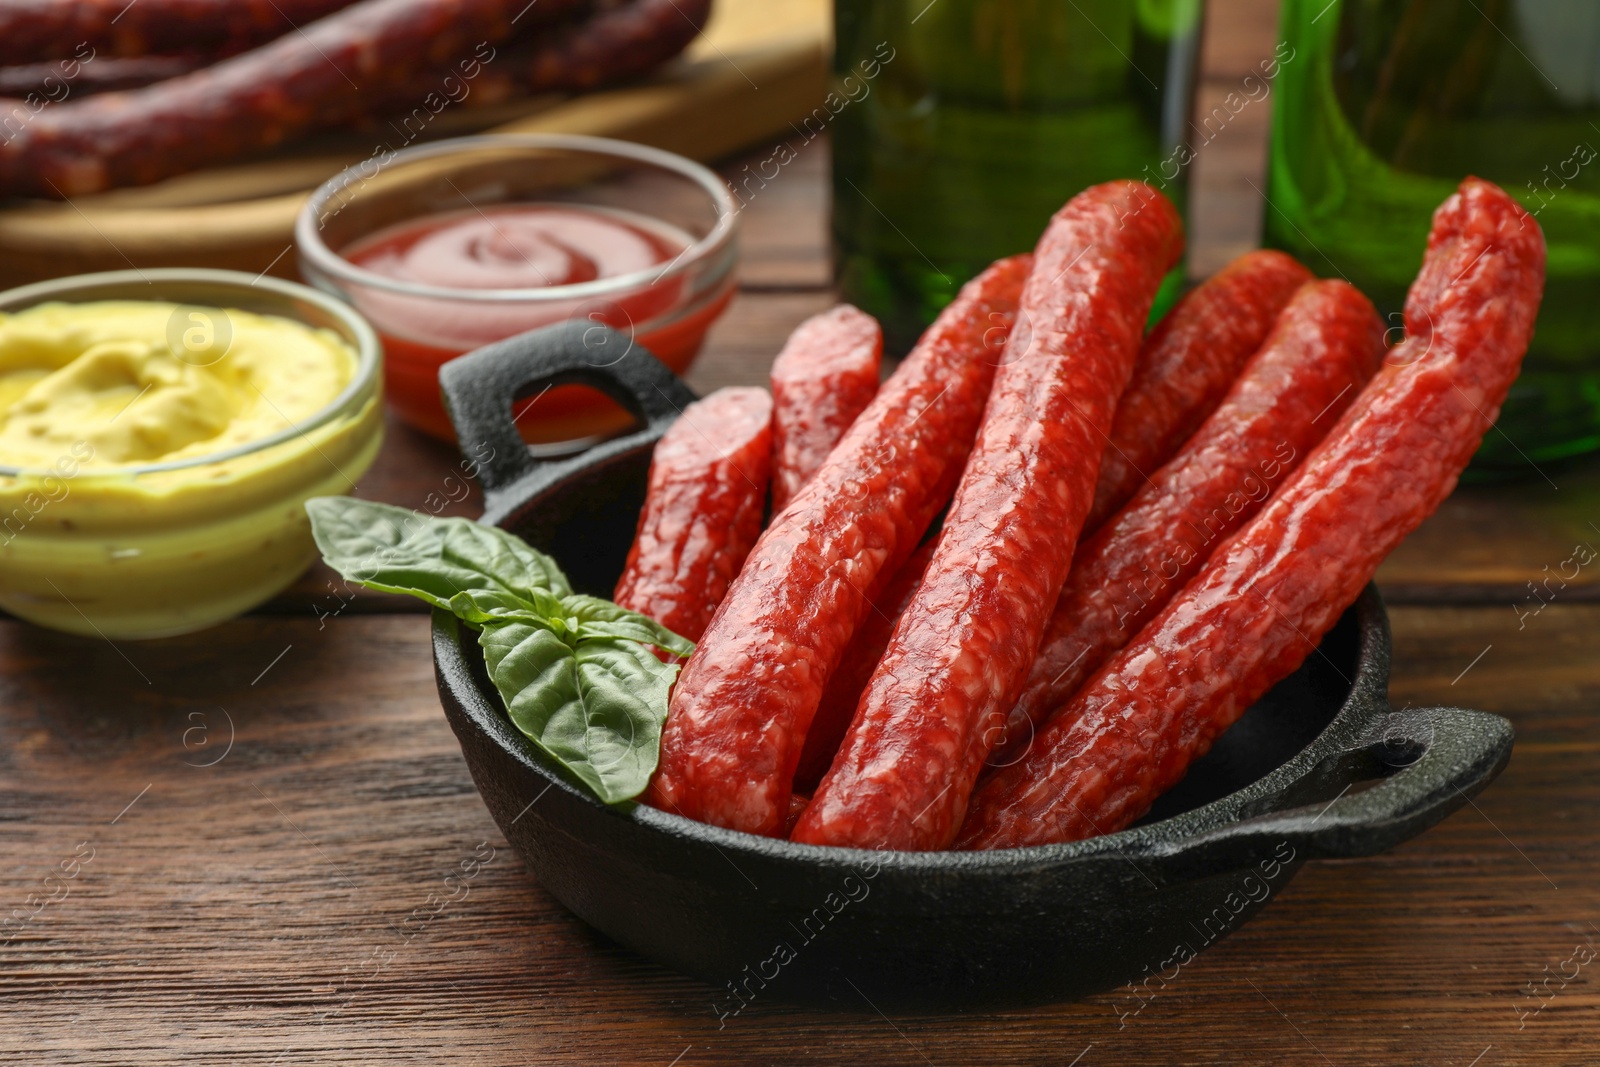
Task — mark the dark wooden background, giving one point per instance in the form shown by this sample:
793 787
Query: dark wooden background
250 813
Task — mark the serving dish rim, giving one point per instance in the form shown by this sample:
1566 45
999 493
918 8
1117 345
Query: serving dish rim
1363 703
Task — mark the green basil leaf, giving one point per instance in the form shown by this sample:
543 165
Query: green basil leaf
399 551
595 706
602 618
479 606
577 673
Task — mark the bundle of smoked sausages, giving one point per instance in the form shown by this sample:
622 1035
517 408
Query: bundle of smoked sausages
106 93
1140 535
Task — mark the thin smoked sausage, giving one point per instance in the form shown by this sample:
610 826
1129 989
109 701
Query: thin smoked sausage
1264 599
1186 366
741 708
1325 346
702 512
961 651
825 376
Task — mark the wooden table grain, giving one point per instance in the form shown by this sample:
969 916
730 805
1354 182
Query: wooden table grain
214 843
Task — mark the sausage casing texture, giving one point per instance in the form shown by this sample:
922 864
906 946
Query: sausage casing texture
573 46
938 701
34 30
61 78
380 58
300 82
702 511
825 376
744 702
1324 347
620 40
855 669
1185 368
1264 599
599 45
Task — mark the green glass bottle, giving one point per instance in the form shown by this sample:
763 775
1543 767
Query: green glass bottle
959 126
1386 105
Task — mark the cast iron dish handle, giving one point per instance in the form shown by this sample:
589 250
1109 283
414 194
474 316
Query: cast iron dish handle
1444 756
482 388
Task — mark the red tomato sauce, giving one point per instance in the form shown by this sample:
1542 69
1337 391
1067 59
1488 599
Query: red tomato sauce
523 247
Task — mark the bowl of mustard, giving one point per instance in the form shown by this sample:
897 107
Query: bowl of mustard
160 432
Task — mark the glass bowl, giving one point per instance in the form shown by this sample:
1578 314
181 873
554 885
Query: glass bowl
149 550
665 308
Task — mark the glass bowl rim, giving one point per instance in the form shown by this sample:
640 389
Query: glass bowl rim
368 353
309 241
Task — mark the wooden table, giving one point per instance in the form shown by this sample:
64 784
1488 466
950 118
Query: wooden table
249 813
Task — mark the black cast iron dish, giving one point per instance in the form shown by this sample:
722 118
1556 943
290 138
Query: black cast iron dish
1321 767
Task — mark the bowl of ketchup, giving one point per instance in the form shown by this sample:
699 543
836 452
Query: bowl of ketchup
453 245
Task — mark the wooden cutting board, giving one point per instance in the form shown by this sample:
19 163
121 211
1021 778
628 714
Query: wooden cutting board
760 65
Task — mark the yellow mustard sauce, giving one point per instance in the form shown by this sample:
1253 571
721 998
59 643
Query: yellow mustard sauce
113 519
110 375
